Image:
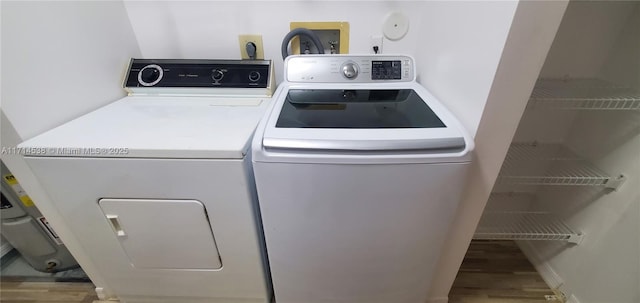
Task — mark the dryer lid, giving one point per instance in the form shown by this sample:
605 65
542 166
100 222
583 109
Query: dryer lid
173 127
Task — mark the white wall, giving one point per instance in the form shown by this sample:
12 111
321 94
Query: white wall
605 267
59 61
581 47
457 45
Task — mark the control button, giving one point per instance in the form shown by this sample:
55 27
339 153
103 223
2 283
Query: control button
350 70
254 76
217 75
150 75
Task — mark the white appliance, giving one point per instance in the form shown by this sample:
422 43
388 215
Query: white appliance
359 172
28 231
158 186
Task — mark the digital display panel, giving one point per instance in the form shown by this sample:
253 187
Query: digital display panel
386 70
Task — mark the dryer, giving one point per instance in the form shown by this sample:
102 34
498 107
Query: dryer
359 171
158 186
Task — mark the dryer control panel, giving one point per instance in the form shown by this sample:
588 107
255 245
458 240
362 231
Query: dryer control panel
349 69
186 73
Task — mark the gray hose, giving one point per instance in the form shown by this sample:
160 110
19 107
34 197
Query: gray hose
302 32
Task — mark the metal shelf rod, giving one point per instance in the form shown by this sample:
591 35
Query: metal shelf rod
551 164
524 226
583 94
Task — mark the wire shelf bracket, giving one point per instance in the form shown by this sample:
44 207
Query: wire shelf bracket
575 239
615 183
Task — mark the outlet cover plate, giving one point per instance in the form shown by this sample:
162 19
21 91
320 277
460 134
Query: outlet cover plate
257 40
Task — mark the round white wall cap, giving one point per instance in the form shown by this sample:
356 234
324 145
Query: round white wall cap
396 25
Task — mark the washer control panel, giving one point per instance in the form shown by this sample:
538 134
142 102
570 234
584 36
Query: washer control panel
349 68
186 73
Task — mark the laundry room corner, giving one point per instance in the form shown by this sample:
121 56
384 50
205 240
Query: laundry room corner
59 61
220 171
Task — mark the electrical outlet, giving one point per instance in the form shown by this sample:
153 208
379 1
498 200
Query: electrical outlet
375 41
333 35
255 39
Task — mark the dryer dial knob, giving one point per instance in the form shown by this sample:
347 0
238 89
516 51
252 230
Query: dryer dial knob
150 75
217 75
254 76
350 70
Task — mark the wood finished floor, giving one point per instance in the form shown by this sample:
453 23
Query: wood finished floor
47 292
498 272
492 272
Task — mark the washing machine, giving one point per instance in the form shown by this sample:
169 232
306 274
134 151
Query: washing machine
359 171
158 187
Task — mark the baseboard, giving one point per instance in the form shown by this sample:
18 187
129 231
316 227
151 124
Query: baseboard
438 300
5 249
543 267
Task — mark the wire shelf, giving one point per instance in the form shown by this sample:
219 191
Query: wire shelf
549 164
583 94
524 226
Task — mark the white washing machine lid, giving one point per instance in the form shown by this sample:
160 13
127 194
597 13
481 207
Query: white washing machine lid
361 118
193 127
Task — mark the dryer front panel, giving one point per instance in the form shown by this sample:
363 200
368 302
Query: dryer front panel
161 216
